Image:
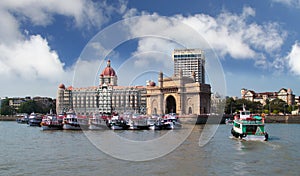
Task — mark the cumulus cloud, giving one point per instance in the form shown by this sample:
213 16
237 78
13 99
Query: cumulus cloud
229 34
28 65
30 59
84 12
293 58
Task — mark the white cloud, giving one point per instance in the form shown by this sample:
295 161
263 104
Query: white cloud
31 59
28 65
294 58
85 13
228 34
290 3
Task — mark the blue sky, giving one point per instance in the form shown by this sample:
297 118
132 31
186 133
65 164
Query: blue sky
42 44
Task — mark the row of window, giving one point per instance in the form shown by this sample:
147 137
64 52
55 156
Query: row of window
186 55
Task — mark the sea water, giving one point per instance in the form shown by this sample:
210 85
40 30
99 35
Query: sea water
31 151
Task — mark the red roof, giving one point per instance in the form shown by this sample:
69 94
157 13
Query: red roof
108 71
61 86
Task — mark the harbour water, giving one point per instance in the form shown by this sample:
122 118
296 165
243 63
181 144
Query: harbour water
30 151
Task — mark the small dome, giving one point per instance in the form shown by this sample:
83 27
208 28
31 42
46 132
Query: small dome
152 83
108 71
61 86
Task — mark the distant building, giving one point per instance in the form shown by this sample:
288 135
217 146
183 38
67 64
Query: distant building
105 98
185 92
283 94
16 102
190 61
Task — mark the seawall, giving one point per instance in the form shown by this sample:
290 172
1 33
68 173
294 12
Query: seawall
282 119
8 118
214 119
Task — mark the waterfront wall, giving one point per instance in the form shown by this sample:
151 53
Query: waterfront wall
8 118
283 119
203 119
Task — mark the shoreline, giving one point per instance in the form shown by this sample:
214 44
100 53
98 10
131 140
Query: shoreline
213 119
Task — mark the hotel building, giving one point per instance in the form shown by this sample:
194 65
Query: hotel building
105 98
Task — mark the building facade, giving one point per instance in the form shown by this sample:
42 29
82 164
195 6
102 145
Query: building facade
178 94
184 93
105 98
190 61
262 97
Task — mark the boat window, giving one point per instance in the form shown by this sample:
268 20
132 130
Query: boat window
251 128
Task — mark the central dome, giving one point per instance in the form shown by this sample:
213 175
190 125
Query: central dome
108 71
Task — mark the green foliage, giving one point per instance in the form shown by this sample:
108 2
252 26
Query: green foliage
6 109
237 105
275 106
29 107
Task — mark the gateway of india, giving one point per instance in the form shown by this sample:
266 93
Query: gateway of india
184 93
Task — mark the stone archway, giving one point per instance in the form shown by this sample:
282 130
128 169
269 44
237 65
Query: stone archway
170 105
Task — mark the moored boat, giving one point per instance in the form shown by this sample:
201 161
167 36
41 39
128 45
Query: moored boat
23 118
249 127
171 121
98 122
34 119
52 122
117 123
70 122
138 122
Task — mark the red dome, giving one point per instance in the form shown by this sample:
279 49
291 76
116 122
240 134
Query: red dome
61 86
152 83
108 71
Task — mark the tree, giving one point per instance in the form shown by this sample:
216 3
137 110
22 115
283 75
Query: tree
237 105
29 107
277 105
6 109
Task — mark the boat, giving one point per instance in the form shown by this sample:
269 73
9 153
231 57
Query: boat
98 122
34 119
70 121
138 122
23 119
52 122
155 122
171 121
249 127
117 123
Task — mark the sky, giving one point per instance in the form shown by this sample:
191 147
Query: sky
248 44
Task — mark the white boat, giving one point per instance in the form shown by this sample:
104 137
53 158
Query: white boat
117 123
249 127
155 122
171 121
70 122
34 119
98 122
138 122
52 122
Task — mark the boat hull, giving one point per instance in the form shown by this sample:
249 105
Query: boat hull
52 127
71 127
248 137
